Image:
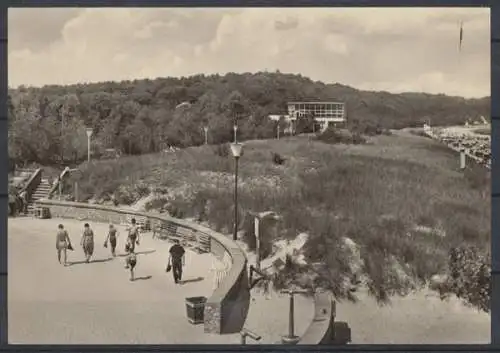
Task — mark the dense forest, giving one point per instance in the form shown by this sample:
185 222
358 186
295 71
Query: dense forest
47 124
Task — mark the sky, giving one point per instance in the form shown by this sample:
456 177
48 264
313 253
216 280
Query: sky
390 49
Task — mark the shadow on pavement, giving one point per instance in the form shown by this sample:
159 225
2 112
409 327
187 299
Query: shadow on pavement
143 278
71 263
145 252
191 280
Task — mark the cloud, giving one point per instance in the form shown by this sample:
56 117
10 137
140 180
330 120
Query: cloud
393 49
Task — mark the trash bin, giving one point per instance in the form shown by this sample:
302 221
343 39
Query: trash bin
195 307
43 212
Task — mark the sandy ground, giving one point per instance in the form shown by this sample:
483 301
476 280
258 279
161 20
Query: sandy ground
97 304
420 318
417 319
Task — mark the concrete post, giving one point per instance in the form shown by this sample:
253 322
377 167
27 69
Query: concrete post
291 338
462 158
257 242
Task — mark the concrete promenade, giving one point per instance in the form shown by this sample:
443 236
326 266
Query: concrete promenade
97 304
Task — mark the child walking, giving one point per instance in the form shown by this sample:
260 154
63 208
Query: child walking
131 260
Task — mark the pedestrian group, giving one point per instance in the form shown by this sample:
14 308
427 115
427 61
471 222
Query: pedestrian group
176 258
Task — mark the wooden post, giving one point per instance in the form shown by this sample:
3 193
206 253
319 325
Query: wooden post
76 191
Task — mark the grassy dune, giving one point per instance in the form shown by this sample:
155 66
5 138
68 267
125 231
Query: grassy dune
400 198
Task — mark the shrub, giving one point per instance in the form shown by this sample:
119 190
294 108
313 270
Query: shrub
178 208
334 136
220 210
477 176
357 139
200 203
470 276
125 195
142 190
277 159
158 203
221 150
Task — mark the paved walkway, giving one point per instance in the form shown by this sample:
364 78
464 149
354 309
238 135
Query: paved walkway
97 304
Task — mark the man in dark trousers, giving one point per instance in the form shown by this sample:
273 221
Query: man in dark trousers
176 260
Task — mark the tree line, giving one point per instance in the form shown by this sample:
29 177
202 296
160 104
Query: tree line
47 124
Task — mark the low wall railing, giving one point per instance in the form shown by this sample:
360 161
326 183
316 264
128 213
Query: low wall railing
55 185
226 309
32 184
323 329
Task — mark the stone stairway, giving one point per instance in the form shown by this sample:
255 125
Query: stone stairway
41 192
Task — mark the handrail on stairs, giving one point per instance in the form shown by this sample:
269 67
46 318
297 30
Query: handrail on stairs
55 186
32 184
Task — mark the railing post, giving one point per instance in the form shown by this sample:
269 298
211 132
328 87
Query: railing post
244 333
291 338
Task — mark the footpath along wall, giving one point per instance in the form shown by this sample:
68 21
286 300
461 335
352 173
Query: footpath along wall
227 308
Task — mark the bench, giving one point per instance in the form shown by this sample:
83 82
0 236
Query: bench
143 223
197 241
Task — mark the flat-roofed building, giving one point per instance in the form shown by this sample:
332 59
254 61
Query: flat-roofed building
323 112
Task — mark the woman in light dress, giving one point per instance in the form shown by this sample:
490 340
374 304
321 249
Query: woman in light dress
87 242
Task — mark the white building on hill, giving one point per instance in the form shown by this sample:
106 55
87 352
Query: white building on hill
325 113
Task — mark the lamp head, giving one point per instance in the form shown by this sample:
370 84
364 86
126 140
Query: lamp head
89 131
269 215
236 149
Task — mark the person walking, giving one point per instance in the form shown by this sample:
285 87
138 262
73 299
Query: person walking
24 201
111 238
131 261
63 243
133 238
12 204
87 242
176 260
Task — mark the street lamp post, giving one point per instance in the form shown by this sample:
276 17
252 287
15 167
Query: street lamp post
235 128
236 149
206 134
89 134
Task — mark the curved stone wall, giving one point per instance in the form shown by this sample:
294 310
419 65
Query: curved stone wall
227 308
323 328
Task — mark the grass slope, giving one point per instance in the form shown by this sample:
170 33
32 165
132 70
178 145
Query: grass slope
400 198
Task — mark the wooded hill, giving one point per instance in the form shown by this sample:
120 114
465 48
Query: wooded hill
47 124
